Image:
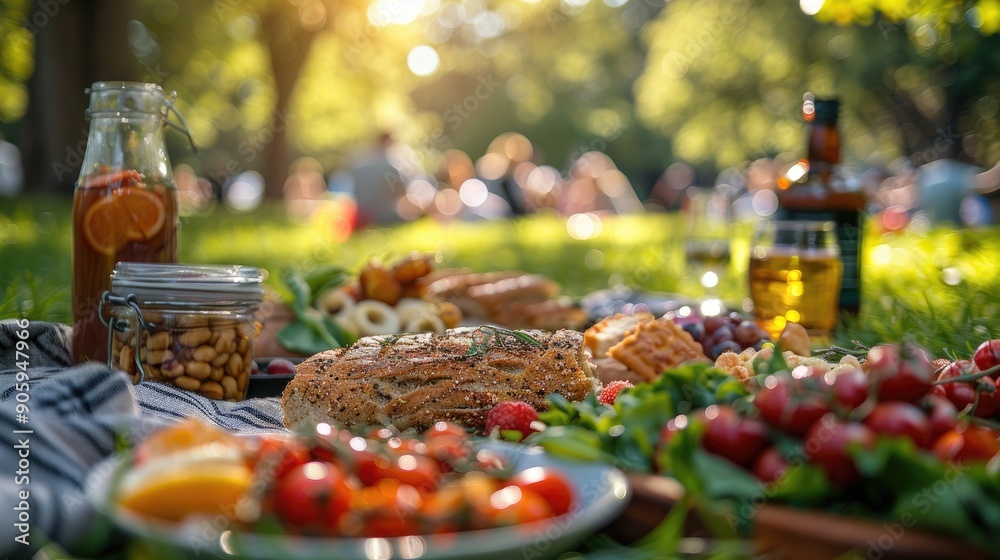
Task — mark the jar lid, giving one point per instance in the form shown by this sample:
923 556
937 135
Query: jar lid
181 284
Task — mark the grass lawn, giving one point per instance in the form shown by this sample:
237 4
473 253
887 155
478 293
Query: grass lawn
942 287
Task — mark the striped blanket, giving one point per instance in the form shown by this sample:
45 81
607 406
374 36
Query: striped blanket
57 420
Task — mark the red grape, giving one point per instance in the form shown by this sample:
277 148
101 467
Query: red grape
280 366
712 323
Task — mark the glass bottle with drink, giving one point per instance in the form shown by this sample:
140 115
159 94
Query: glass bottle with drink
817 190
125 202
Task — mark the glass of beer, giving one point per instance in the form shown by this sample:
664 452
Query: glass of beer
795 272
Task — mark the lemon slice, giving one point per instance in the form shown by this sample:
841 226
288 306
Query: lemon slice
210 479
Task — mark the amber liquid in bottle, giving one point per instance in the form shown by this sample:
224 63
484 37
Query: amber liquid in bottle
823 196
114 221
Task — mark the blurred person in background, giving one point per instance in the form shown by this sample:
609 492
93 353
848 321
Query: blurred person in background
988 186
497 166
943 185
304 190
596 185
375 183
755 198
668 191
11 173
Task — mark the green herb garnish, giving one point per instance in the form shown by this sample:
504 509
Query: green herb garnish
486 338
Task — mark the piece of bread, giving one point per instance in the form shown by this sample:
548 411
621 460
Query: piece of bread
546 315
655 346
484 294
611 330
415 380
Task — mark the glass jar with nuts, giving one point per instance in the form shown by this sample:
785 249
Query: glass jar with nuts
191 326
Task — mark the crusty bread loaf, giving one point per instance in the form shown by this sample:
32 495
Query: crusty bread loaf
415 380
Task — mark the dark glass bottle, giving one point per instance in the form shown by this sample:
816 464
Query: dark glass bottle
816 189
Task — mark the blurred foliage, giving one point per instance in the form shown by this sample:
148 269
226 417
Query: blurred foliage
16 59
725 80
503 65
942 15
939 285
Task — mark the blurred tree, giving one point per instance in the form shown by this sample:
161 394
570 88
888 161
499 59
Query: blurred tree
78 43
16 62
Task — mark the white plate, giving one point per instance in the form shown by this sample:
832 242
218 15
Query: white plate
601 493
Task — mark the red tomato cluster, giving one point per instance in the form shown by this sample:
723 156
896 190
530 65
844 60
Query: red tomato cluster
336 483
981 396
834 413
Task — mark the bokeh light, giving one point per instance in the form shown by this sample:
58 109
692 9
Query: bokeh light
423 60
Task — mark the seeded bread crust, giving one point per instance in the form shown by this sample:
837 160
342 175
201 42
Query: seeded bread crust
415 380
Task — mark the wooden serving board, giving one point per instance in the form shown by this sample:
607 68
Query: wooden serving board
785 533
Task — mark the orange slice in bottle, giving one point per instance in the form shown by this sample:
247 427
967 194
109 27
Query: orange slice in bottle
128 214
123 178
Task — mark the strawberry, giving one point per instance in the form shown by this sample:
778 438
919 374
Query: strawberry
513 419
610 392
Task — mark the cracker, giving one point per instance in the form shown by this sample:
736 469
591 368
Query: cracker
655 346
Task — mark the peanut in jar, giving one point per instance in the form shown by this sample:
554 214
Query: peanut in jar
203 352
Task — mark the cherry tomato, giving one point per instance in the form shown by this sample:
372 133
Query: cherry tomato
903 373
987 356
512 505
827 444
313 495
967 443
414 470
851 388
989 397
792 405
447 450
405 446
897 418
276 455
369 466
733 437
942 415
447 503
770 465
549 484
387 509
960 393
446 429
938 390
